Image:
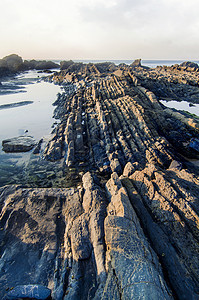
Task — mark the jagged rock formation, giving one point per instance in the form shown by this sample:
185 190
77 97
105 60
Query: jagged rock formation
129 230
65 64
39 65
13 63
136 63
178 82
10 64
114 120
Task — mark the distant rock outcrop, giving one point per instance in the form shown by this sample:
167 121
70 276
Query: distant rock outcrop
189 64
39 65
136 63
65 64
13 63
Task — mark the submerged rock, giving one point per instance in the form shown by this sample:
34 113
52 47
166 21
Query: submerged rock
16 104
18 144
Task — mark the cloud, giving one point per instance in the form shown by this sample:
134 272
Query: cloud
100 28
112 13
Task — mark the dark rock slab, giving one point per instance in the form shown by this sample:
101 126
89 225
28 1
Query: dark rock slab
31 291
16 104
18 144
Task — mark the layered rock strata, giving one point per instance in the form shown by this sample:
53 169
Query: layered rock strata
129 230
114 120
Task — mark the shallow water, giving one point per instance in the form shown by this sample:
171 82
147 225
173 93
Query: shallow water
183 105
35 118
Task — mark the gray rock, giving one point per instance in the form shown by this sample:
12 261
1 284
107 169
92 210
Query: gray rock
30 291
18 144
11 63
129 169
65 64
135 264
136 63
111 238
175 165
16 104
38 147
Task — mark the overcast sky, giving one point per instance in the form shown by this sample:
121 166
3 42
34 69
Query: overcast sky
100 29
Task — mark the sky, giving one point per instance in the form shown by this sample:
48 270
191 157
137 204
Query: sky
100 29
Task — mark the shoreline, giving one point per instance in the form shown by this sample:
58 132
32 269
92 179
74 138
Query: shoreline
111 200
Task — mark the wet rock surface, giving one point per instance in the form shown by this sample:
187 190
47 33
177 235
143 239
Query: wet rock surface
29 292
18 144
124 224
16 104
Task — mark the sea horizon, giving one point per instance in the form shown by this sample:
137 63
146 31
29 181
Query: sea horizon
152 63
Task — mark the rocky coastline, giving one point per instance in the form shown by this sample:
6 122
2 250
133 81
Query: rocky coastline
13 63
126 227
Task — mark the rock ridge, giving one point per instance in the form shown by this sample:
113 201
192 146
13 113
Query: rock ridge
128 228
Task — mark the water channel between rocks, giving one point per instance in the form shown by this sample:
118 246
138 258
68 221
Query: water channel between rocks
183 106
36 117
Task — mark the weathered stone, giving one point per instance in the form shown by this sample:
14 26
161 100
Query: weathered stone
175 165
13 63
128 250
18 144
111 237
129 169
38 147
136 63
65 64
31 291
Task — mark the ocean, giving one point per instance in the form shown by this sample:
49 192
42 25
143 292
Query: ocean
147 63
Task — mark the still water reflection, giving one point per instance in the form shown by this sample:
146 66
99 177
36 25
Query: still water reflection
182 105
36 118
